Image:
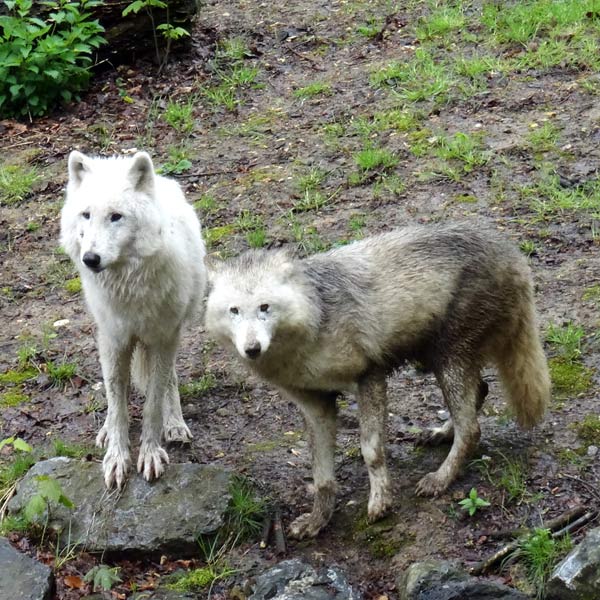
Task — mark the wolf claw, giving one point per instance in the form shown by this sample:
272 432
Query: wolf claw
115 465
177 431
305 526
102 437
151 461
379 504
431 485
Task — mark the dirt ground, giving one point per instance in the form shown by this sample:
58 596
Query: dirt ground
514 145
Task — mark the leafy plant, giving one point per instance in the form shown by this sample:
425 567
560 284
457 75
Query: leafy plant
472 503
103 577
49 493
44 62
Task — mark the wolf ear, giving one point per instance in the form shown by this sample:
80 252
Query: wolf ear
78 167
141 173
213 266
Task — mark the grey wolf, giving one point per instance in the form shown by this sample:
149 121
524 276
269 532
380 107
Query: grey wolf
138 247
452 297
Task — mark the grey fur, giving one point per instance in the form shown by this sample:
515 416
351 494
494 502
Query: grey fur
453 297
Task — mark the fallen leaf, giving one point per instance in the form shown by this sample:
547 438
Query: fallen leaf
74 582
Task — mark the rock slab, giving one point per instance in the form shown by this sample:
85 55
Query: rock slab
445 580
577 577
297 580
164 516
22 577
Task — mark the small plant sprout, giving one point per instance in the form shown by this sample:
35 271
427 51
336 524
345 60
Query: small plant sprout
103 577
472 503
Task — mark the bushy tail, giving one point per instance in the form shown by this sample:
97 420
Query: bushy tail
524 371
140 371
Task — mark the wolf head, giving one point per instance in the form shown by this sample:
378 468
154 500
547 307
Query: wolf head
111 215
258 304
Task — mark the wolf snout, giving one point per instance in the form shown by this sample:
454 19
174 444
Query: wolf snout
253 350
92 260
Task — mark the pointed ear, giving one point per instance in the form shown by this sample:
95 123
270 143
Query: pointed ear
79 165
213 266
141 173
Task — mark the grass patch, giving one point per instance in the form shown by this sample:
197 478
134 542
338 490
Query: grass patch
180 116
214 236
60 374
441 22
198 387
318 88
73 450
566 339
16 377
569 378
16 183
544 138
589 429
371 159
12 398
73 286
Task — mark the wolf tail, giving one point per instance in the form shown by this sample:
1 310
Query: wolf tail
523 368
140 371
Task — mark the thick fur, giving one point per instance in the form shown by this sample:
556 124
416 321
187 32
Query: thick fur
452 297
138 247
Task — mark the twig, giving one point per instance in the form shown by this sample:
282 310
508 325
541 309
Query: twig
280 545
558 523
266 530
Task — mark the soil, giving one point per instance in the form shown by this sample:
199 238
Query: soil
254 158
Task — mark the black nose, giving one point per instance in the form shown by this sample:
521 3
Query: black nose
91 260
253 351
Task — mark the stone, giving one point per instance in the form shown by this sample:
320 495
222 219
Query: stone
446 580
577 577
164 516
296 580
22 577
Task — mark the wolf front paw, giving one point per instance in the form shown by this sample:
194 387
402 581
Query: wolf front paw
435 436
306 526
115 466
432 484
176 430
380 501
151 461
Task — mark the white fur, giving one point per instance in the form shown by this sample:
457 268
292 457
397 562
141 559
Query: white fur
149 280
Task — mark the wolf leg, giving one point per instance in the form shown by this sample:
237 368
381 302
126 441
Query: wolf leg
174 427
372 408
152 456
439 435
114 435
461 391
319 412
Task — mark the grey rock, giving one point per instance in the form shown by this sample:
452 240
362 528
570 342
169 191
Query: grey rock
296 580
166 594
445 580
22 577
167 515
577 577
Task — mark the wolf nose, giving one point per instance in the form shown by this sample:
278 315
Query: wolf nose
253 351
91 260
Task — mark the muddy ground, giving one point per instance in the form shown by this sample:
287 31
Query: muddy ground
280 166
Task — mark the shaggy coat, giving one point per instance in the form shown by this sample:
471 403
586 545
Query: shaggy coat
452 297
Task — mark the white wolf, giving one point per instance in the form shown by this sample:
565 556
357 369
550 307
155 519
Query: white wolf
454 298
138 247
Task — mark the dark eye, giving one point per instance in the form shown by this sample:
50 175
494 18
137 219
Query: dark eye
264 307
116 217
234 310
85 215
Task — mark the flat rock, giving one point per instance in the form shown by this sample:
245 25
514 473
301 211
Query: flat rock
297 580
166 515
577 577
446 580
22 577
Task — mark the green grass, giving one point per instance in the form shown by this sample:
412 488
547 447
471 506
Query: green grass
12 398
180 116
73 450
566 340
257 238
207 204
310 200
569 378
589 429
246 510
61 373
16 377
441 22
317 88
233 49
213 236
73 286
16 183
463 147
311 180
198 387
371 159
179 161
544 138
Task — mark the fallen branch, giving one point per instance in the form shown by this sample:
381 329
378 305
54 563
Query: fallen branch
280 545
560 526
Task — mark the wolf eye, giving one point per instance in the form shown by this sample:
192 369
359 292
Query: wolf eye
115 217
85 215
264 307
234 310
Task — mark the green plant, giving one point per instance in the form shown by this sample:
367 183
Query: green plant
318 88
197 388
472 503
444 20
73 286
540 552
566 339
103 577
589 429
180 116
246 511
49 493
16 181
544 138
528 247
179 161
370 159
60 374
45 62
168 31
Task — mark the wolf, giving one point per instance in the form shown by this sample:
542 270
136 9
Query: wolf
138 247
453 297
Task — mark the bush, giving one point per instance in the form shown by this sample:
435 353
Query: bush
43 62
